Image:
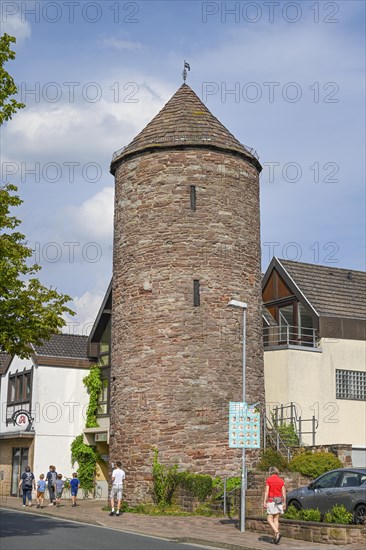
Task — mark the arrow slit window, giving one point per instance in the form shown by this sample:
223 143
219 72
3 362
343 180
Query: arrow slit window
196 293
193 198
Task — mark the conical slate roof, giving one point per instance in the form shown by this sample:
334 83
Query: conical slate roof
184 121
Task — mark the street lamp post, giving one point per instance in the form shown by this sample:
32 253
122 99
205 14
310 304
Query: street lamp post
243 306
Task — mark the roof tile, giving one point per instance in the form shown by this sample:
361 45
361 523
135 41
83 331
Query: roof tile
184 120
331 291
64 345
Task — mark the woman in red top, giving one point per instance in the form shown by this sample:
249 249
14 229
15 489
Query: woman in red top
274 501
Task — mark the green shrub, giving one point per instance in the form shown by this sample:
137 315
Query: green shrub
291 512
165 481
288 435
270 457
231 484
199 485
338 514
310 515
302 515
314 464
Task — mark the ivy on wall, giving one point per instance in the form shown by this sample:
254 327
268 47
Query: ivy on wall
87 458
86 455
93 384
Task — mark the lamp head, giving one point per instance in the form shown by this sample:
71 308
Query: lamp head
237 303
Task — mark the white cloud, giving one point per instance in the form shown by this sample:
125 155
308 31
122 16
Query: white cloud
13 25
86 308
94 217
83 130
119 44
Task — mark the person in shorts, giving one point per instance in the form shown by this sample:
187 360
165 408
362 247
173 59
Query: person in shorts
118 476
51 478
74 487
59 489
26 483
274 501
41 487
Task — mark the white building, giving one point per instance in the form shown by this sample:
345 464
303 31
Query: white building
315 352
48 387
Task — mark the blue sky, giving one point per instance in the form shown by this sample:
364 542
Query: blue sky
286 78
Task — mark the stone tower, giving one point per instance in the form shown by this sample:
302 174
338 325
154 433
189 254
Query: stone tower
186 241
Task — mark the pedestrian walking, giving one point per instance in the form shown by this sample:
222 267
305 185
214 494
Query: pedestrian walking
51 484
59 485
274 501
118 476
41 487
26 483
74 487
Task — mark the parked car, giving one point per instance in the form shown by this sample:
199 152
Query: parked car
345 486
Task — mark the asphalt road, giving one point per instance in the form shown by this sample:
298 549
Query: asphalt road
22 531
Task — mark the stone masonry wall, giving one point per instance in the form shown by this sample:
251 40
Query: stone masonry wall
175 367
320 533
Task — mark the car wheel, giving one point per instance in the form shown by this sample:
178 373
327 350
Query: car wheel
296 504
360 514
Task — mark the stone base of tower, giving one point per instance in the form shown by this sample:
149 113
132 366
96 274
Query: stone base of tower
214 460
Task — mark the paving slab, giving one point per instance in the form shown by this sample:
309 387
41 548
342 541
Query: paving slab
218 532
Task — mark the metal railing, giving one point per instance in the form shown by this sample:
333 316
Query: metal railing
191 137
286 335
227 493
272 438
287 414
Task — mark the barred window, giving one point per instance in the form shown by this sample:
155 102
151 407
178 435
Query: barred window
350 384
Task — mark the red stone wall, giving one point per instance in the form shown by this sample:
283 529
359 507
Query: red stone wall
175 367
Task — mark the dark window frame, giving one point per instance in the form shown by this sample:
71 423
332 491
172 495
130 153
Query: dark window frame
20 379
105 376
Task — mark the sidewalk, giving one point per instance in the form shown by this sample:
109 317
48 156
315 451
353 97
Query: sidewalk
216 532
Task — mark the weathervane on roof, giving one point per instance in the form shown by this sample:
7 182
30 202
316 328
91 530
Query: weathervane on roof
186 66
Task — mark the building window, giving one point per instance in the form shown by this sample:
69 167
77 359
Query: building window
193 198
350 384
20 388
196 293
103 398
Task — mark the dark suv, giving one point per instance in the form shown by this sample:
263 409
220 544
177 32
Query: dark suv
343 486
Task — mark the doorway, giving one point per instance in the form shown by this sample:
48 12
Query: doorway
19 462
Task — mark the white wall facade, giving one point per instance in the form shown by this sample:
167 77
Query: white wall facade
59 402
308 379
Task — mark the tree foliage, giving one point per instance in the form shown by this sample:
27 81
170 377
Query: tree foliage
8 105
29 312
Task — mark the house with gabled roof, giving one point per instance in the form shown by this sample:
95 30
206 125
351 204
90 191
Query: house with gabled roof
314 334
43 408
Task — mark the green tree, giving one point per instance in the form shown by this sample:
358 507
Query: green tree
8 105
29 312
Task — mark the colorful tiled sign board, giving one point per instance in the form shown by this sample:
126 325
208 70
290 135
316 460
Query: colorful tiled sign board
244 426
